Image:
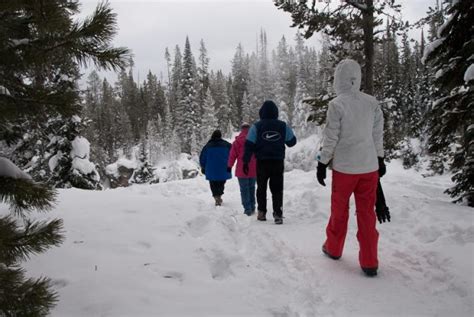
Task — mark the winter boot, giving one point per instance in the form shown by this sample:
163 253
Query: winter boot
261 216
278 219
218 200
371 272
329 255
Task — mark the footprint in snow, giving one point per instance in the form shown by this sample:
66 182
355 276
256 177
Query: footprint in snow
427 234
60 283
198 226
220 265
144 244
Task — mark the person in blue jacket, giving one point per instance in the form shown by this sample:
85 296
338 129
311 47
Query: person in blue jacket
213 161
267 139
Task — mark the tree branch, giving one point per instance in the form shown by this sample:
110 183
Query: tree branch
355 4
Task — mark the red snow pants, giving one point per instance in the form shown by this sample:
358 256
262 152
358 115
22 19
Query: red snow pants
364 187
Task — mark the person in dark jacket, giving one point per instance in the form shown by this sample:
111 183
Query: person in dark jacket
213 161
267 139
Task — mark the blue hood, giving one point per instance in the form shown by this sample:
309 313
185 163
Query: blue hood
269 110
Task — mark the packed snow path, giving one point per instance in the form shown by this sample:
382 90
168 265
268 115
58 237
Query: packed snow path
166 250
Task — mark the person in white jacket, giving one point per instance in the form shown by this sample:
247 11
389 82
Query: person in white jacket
353 145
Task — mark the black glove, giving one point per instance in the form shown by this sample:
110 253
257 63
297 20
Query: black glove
203 170
229 169
321 173
382 167
246 168
381 209
383 214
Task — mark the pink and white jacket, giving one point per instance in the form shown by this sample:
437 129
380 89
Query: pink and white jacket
237 153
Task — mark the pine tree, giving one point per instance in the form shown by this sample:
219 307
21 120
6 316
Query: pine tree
175 91
388 89
246 109
351 24
264 76
144 171
209 119
41 48
130 98
222 103
452 113
254 95
203 73
283 84
240 74
189 102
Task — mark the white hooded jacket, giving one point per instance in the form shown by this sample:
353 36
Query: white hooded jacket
353 136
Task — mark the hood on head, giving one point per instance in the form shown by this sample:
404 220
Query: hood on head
269 110
347 77
216 135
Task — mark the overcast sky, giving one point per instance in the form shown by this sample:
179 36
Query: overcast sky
147 27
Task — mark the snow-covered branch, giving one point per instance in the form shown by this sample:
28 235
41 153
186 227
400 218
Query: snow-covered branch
8 169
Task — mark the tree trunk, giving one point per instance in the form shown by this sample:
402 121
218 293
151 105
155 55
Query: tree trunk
368 18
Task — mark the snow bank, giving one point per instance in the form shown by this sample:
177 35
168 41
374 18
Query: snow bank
184 167
166 250
303 154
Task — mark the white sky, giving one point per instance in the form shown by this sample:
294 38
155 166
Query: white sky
147 27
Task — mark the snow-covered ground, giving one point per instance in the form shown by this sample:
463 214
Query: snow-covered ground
166 250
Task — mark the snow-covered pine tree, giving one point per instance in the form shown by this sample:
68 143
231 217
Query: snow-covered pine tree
144 171
283 87
254 95
246 109
387 89
21 237
451 116
302 110
189 101
264 75
222 103
407 126
65 160
92 113
202 87
154 140
130 100
175 93
203 74
234 111
41 47
240 73
209 118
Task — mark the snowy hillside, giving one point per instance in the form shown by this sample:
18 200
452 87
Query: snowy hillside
165 250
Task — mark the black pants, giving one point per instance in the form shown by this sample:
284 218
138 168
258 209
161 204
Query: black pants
270 170
217 188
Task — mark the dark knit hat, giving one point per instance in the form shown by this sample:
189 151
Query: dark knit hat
217 134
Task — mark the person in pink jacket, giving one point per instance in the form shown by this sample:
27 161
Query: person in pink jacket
246 180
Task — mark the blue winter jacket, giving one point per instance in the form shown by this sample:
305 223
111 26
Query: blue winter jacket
213 159
268 136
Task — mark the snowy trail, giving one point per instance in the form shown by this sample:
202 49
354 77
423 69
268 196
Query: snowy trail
165 250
